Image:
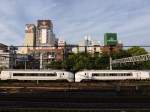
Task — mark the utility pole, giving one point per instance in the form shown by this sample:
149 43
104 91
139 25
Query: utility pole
110 62
25 64
41 60
86 45
110 58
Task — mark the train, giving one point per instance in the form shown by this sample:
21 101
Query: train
98 75
108 75
37 75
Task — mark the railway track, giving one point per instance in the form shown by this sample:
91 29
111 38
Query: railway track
73 100
75 96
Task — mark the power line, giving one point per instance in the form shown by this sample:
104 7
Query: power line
83 46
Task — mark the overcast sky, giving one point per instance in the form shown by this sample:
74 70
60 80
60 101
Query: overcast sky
73 19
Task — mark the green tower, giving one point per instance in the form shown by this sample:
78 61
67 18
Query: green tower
110 39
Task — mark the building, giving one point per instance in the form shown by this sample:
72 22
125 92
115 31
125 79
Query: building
110 49
87 45
110 39
40 35
111 43
61 44
46 44
7 56
40 40
3 47
48 54
95 48
83 46
45 35
30 39
25 61
4 56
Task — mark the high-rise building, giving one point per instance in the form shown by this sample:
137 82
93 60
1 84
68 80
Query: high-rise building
111 43
41 37
45 35
110 39
30 37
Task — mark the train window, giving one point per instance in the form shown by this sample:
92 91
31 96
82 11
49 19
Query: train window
95 74
98 74
35 74
111 74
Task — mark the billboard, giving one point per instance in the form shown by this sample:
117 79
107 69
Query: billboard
110 39
45 24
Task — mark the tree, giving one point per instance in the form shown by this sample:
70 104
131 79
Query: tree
121 54
55 65
80 61
135 51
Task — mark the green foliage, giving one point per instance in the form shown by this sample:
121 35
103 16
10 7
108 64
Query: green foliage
146 65
135 51
55 65
80 61
121 54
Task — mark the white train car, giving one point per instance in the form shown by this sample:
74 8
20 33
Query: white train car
36 75
111 75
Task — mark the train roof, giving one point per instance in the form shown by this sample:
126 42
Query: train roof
46 70
110 70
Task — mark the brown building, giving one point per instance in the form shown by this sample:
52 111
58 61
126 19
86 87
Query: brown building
48 54
108 49
38 35
45 35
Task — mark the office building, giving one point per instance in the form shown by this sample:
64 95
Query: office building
110 39
111 43
45 35
29 41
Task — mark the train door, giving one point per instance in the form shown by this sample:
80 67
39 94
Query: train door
11 75
61 75
87 75
138 74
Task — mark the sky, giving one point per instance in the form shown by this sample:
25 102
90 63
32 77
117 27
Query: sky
73 19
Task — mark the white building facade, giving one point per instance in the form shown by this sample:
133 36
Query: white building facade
87 45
